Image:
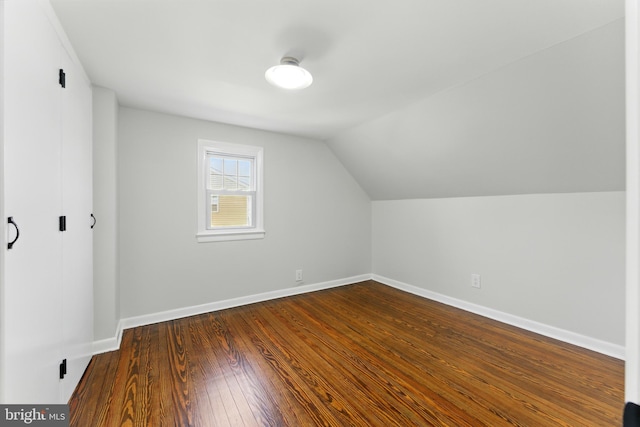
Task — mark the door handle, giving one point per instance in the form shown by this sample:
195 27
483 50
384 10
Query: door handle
94 221
12 222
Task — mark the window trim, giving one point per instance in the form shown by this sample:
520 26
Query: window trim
203 234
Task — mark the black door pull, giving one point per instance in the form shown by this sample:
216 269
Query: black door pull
94 221
10 221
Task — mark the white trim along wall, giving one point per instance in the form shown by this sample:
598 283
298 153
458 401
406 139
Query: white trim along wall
599 346
110 344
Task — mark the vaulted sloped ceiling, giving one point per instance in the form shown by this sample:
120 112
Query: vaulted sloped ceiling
552 122
418 98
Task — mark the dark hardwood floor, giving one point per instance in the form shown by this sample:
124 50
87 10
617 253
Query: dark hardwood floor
358 355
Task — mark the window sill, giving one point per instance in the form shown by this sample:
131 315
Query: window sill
221 236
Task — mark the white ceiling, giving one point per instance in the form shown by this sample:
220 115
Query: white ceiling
206 58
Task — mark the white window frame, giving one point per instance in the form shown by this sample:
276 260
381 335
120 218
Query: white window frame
256 231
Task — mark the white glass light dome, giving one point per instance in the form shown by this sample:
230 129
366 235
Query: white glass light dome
289 75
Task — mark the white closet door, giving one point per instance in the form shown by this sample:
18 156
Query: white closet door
77 240
31 307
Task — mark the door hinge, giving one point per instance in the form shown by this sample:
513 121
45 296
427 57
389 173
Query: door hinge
62 222
63 368
62 78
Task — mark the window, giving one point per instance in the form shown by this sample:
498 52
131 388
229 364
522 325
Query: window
230 191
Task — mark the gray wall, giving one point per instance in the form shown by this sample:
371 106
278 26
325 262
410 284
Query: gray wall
557 259
317 217
105 208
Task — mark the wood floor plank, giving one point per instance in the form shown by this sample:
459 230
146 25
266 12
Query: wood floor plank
120 411
387 396
440 402
308 361
478 370
207 375
282 398
251 398
100 389
360 355
513 358
142 384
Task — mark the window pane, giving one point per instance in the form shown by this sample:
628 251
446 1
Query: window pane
229 204
215 164
244 183
215 173
233 211
215 182
230 183
230 167
245 167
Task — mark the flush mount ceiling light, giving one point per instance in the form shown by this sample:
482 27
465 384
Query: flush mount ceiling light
289 74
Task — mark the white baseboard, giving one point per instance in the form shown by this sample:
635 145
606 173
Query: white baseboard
111 344
603 347
589 343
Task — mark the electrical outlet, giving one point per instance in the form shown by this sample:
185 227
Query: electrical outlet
298 275
475 281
